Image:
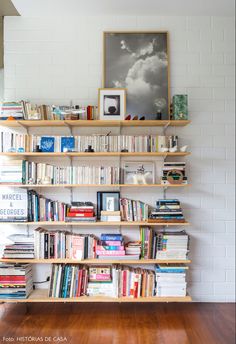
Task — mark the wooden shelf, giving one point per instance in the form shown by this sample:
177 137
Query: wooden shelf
95 123
95 224
32 186
84 154
41 295
97 261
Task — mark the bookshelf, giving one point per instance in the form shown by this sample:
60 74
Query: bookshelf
41 295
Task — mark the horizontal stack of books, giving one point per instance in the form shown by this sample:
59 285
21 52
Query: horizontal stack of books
103 281
11 172
136 283
16 281
174 173
172 245
44 209
11 110
111 246
167 210
22 247
171 280
59 244
68 281
133 249
80 212
133 210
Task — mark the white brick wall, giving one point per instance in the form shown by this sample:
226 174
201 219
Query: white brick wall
58 60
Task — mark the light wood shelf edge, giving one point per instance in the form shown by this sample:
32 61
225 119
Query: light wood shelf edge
85 154
92 185
95 224
97 261
41 295
92 123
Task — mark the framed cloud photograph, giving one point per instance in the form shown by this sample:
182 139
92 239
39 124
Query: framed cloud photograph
112 103
138 61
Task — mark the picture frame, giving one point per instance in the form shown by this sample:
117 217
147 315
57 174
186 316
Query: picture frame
112 103
108 201
139 172
139 62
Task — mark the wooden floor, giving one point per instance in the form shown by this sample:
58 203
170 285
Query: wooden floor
200 323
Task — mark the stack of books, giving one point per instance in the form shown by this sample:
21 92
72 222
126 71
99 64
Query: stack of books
110 216
103 281
22 248
11 172
133 249
172 245
44 209
68 281
167 210
111 246
171 280
11 110
136 283
16 281
80 212
133 210
174 173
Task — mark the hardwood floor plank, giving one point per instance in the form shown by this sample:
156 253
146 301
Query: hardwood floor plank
113 323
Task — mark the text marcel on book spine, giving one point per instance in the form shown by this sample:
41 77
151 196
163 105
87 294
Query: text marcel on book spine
13 205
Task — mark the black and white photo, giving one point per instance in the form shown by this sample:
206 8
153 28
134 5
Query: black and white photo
138 61
112 103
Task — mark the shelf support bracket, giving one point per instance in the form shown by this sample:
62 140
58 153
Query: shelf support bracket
69 127
165 128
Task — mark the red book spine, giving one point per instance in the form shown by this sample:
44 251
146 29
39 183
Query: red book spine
80 214
9 279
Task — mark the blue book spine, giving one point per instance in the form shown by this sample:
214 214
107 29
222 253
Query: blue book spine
111 237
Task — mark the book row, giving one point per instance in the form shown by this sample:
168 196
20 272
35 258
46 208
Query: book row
30 172
66 245
13 142
69 281
29 206
28 111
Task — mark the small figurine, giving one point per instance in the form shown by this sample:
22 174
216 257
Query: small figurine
89 149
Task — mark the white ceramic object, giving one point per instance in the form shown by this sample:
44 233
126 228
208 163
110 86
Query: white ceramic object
173 149
183 149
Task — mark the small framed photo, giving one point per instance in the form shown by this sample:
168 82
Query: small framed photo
112 103
138 172
108 201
